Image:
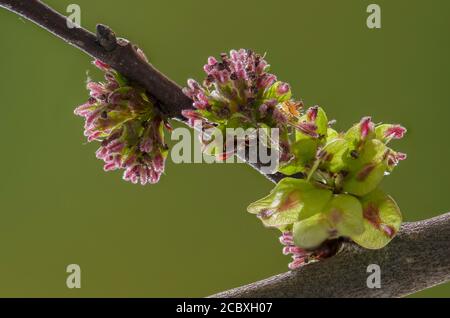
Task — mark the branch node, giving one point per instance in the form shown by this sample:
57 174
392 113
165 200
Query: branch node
106 37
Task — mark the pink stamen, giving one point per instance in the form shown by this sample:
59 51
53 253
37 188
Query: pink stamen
311 113
101 65
283 88
396 132
308 128
366 126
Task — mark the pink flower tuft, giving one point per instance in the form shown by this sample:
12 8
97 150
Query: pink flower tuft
238 91
299 255
242 71
114 115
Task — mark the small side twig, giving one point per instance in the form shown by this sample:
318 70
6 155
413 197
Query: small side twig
106 37
121 55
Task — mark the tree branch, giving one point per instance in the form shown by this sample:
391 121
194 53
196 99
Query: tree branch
121 55
123 58
418 258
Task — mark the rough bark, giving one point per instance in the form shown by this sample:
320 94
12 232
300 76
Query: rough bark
418 258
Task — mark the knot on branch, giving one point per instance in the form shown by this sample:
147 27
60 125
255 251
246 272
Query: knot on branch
106 37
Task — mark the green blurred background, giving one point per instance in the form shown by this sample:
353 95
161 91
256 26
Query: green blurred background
190 235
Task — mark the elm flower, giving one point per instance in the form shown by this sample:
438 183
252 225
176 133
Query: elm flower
130 129
301 256
240 92
236 84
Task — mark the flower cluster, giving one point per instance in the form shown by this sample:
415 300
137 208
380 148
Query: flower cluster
120 115
339 196
239 92
335 193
